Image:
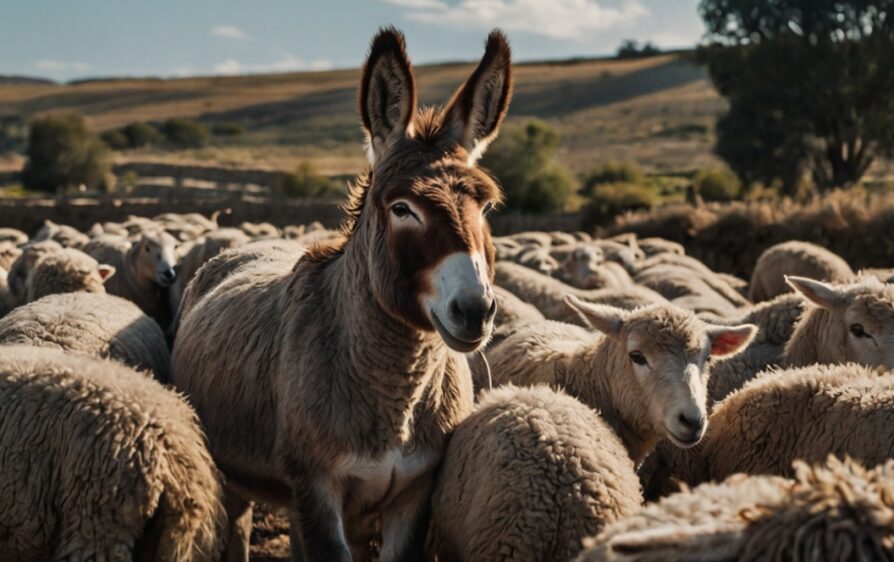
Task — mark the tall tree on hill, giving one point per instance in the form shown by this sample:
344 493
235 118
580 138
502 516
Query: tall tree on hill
810 85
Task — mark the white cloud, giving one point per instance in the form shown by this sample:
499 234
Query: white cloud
286 63
419 4
559 19
229 32
51 65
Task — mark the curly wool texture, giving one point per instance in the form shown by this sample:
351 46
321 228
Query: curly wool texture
98 462
93 324
526 477
548 294
64 271
802 259
804 413
835 512
19 271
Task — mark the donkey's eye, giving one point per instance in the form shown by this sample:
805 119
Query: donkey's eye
638 358
148 249
488 207
402 211
858 331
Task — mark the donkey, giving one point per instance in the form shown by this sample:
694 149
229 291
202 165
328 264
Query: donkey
328 386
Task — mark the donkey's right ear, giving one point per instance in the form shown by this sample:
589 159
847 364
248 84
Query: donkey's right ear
387 92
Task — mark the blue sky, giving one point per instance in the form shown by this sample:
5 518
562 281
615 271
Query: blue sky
65 39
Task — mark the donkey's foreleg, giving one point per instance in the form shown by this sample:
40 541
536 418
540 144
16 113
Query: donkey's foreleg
405 522
318 513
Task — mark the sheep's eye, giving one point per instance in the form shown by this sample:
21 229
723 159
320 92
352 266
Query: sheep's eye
488 207
638 358
858 331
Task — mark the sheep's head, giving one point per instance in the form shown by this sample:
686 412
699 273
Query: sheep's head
67 271
668 350
156 257
582 263
863 314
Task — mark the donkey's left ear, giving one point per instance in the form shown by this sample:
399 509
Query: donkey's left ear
474 114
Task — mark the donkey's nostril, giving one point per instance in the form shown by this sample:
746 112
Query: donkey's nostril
456 312
691 424
492 311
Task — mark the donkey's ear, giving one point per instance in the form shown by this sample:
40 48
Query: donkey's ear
387 91
474 114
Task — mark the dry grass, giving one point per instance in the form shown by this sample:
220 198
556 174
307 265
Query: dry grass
658 111
856 224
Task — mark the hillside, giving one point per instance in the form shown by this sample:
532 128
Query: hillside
658 111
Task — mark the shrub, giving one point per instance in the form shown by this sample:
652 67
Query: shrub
523 159
140 134
614 172
306 182
63 153
607 200
717 184
227 129
115 139
185 133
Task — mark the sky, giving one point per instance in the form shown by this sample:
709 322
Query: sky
71 39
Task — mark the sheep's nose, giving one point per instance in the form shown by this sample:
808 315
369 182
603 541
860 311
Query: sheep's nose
473 314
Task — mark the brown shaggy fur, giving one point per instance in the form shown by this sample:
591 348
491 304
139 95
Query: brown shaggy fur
837 511
528 476
98 462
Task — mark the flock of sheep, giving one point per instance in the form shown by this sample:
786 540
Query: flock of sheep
409 387
621 368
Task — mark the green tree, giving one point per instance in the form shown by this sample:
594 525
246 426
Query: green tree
140 134
810 86
63 153
524 160
306 182
185 133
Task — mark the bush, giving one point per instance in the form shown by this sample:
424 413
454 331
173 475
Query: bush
523 160
184 133
227 129
717 184
614 172
608 200
305 182
63 153
115 139
631 49
140 134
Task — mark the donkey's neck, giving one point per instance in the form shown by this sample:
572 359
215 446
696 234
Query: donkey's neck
388 363
605 378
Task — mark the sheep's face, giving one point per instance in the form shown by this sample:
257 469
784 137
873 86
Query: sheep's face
157 257
668 349
539 260
429 249
582 263
863 314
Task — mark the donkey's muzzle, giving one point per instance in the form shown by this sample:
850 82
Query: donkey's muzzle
473 315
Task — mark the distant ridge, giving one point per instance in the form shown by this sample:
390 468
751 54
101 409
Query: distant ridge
23 80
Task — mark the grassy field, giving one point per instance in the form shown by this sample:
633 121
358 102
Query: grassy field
657 111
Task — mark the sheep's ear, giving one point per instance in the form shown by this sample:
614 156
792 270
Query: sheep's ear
729 340
106 271
387 92
817 292
708 541
473 115
606 319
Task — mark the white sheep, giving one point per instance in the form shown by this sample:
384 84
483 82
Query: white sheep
835 511
17 277
852 322
643 370
795 258
66 271
67 236
98 462
94 324
526 477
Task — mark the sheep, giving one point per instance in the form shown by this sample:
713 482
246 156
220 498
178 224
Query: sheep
835 511
585 268
183 227
537 259
795 258
527 476
9 253
532 238
852 322
510 308
144 271
98 462
67 236
506 248
654 246
803 413
200 252
688 289
626 253
94 324
260 230
17 277
66 271
548 294
644 370
13 236
728 286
